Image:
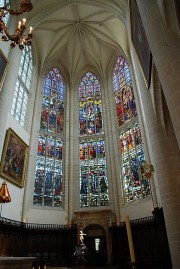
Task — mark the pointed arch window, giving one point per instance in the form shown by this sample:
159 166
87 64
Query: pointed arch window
22 87
49 163
93 174
135 185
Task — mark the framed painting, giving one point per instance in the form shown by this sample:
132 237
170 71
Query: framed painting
3 68
139 40
14 159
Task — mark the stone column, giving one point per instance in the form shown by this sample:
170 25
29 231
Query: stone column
112 151
7 92
72 196
164 45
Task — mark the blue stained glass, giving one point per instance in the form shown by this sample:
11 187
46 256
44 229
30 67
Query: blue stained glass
84 183
100 149
48 181
52 115
58 189
90 108
93 179
125 103
47 86
59 149
135 185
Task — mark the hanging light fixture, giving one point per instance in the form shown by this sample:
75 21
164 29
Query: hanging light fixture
19 38
4 195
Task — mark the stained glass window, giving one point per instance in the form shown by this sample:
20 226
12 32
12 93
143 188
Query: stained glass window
22 87
93 174
90 107
135 185
124 97
49 164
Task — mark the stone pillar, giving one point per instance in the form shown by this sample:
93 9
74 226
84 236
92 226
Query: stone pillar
69 185
112 152
7 92
164 45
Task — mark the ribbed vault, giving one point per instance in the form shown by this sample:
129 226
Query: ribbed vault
78 33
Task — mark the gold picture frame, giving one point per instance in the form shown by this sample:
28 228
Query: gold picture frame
3 68
140 42
14 159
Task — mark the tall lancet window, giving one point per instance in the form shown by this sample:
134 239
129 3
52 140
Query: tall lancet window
93 174
22 87
49 164
135 185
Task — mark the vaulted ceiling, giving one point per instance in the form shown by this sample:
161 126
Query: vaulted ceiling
77 33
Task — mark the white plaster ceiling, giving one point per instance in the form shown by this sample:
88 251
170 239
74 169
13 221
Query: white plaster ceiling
77 33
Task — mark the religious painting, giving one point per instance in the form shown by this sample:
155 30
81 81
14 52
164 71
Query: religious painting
14 159
140 42
3 68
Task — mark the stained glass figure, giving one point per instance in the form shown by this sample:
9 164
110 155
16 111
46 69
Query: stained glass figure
49 164
124 97
135 185
90 107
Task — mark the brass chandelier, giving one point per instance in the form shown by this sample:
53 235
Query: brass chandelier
19 38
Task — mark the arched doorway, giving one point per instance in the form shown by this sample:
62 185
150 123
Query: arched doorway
95 241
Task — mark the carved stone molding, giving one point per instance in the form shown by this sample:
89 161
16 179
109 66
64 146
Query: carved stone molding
85 218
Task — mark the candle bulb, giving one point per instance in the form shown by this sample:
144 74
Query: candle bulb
24 21
19 25
30 30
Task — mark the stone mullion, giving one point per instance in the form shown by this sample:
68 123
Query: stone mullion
112 150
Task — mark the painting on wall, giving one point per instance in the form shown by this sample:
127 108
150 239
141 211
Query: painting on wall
140 42
3 68
14 159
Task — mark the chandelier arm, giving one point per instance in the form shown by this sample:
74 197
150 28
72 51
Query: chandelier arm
10 11
10 37
17 12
